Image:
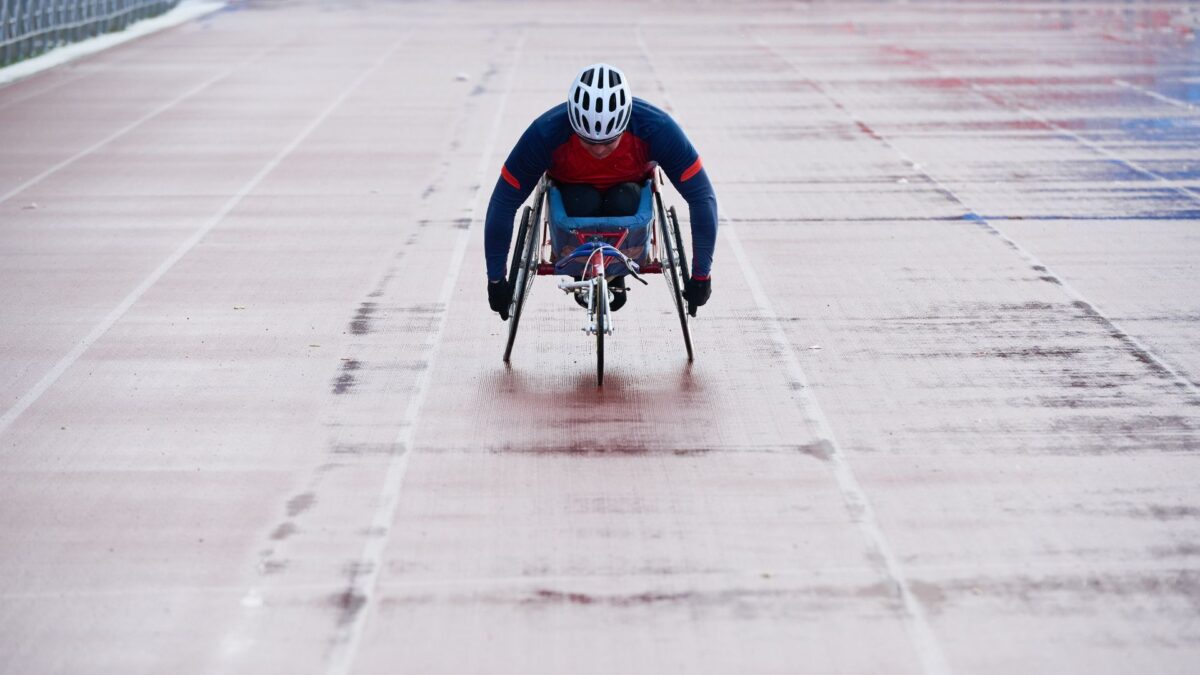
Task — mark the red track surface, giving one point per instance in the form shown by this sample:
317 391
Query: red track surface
943 418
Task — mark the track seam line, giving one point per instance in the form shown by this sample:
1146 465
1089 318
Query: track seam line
134 124
841 574
916 621
48 380
1117 332
364 585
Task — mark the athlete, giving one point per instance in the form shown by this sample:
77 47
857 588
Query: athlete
599 147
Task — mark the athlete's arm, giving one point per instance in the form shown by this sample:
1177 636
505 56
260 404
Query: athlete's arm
675 154
526 163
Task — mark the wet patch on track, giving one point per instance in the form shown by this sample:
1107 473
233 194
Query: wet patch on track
283 531
1030 377
348 605
300 503
361 324
1174 591
771 596
345 381
544 596
820 450
366 449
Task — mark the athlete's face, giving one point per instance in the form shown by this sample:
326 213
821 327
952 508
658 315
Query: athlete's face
602 150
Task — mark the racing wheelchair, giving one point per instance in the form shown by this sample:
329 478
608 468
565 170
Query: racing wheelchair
592 252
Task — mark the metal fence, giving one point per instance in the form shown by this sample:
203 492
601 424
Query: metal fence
31 27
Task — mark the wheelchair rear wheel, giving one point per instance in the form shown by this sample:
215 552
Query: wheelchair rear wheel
521 272
675 269
683 261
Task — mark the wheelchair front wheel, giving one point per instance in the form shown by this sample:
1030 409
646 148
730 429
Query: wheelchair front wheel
600 300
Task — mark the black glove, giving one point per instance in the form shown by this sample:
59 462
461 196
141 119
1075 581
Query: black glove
500 297
697 292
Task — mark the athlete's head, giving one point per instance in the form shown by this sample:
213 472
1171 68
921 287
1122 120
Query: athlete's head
599 103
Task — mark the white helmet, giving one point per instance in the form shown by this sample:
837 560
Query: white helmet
599 103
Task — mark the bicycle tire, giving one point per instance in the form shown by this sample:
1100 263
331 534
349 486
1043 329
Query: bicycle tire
519 248
683 261
672 272
599 300
519 277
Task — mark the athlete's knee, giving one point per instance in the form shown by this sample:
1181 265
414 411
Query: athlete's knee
580 201
622 199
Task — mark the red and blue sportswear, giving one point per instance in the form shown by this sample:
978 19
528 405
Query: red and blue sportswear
550 146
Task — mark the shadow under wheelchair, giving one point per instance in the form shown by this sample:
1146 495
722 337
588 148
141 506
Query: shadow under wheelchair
622 383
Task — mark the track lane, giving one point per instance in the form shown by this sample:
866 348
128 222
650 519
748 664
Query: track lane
212 376
342 489
904 277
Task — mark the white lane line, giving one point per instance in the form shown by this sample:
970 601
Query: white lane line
1033 115
916 622
924 641
133 125
1181 380
1155 95
48 380
364 586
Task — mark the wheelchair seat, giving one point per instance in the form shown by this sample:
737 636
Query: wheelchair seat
573 239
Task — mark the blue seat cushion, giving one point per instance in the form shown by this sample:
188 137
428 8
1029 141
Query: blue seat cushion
560 220
568 232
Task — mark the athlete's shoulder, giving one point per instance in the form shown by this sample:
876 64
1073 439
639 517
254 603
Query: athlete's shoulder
553 125
644 108
647 119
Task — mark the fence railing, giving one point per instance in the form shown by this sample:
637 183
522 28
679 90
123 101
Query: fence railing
31 27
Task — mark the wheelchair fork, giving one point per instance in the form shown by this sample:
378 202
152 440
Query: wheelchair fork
599 317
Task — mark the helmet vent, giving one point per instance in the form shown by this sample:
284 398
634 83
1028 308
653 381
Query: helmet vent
587 77
587 101
597 126
608 129
613 78
612 101
577 90
599 104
